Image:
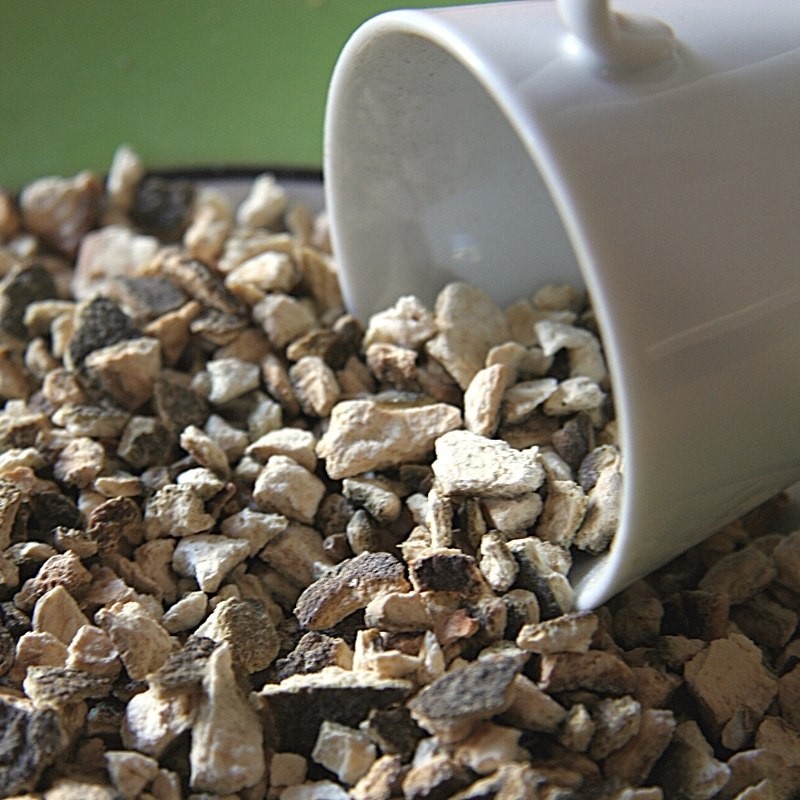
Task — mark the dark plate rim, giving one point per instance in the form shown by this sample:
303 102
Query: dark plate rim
223 173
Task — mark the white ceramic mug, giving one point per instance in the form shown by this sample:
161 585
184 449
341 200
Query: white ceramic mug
651 154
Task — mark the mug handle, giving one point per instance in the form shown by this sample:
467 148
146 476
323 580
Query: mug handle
624 41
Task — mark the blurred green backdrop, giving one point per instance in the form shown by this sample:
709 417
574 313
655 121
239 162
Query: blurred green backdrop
186 82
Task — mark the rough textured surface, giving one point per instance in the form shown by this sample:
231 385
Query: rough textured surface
208 558
727 675
130 772
477 691
596 671
61 210
202 454
313 652
227 753
100 323
248 631
111 252
367 434
468 324
346 752
21 287
59 570
142 642
689 768
534 710
348 588
468 464
288 488
177 511
30 741
483 399
447 571
300 703
570 633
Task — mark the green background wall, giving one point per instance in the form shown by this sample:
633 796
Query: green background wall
186 82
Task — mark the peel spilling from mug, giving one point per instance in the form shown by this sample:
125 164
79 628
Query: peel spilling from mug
249 545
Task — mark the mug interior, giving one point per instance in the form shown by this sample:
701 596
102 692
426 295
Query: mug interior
429 181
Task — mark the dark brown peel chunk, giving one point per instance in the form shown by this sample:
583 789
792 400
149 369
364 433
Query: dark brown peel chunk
349 588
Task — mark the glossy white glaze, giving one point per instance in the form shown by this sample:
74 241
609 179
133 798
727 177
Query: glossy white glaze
618 41
495 145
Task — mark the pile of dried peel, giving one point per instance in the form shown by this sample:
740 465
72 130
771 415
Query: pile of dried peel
251 548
